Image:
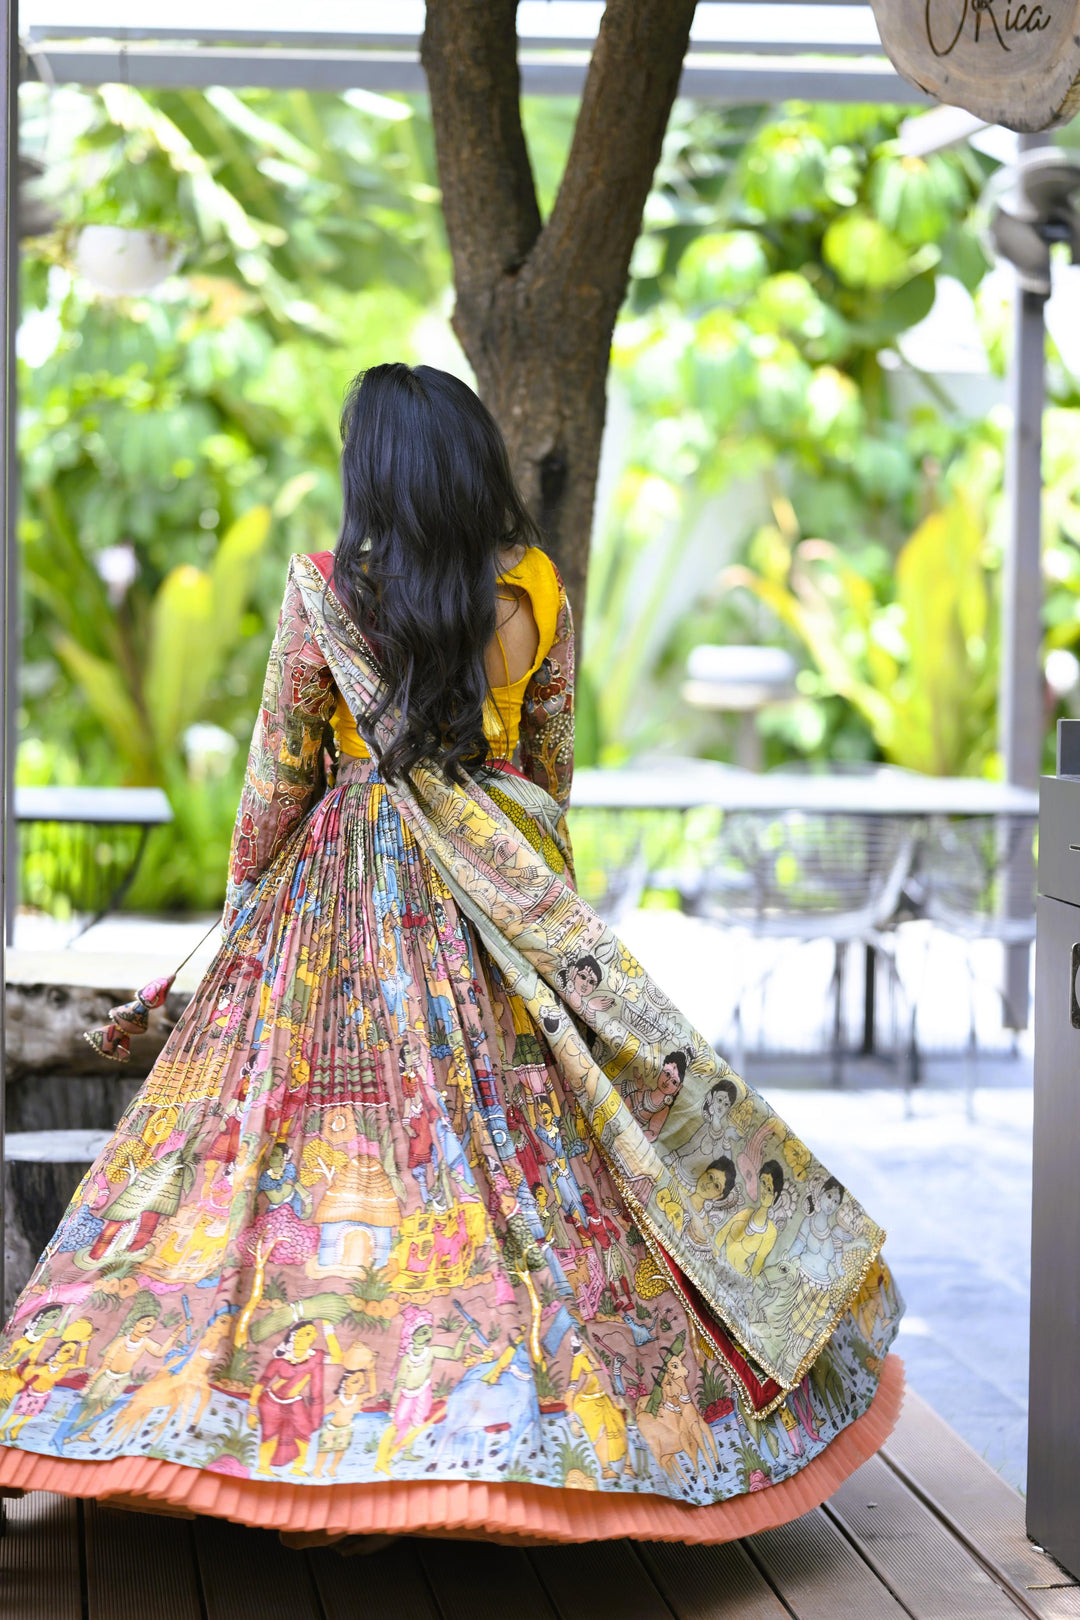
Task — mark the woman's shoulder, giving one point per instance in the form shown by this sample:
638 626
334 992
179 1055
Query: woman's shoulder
524 558
533 569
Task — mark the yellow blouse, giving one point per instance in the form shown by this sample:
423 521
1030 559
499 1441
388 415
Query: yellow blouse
535 575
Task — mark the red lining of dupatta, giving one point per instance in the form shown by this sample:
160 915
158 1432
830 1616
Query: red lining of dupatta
759 1392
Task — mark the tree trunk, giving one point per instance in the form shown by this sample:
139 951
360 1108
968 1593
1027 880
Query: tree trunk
536 303
551 407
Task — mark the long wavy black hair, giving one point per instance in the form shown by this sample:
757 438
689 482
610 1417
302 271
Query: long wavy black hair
429 501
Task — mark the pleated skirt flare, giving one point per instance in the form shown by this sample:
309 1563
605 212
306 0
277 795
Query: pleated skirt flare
351 1262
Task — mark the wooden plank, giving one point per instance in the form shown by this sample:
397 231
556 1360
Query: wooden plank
138 1565
248 1575
601 1580
711 1583
39 1559
386 1583
930 1571
819 1574
478 1581
964 1489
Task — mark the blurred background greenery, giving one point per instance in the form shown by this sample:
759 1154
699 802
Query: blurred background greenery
777 468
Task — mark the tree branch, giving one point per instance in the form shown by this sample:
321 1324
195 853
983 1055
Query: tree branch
469 54
632 81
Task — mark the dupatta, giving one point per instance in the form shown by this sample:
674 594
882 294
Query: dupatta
766 1250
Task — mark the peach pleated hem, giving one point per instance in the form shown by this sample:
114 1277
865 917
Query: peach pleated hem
464 1508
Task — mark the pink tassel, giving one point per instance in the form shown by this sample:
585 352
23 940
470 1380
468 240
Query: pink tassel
113 1040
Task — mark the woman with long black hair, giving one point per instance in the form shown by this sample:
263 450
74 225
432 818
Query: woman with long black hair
389 1194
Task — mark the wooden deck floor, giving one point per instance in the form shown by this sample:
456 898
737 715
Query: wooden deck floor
927 1530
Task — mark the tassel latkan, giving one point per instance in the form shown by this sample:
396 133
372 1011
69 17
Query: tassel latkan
113 1040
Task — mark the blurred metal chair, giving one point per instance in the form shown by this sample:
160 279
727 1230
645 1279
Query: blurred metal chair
80 847
614 854
975 878
802 877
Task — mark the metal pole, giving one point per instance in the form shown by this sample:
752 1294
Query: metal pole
9 266
1022 719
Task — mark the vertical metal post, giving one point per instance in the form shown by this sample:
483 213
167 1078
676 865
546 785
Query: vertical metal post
1054 1393
9 268
1022 718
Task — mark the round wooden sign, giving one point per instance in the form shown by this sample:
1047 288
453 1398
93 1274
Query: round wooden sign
1012 62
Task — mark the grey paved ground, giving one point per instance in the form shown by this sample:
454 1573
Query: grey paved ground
953 1193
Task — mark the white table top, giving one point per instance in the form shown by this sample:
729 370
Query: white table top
122 806
681 784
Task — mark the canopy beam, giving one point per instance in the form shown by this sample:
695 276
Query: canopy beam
706 77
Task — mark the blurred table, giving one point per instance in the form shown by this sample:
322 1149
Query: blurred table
106 872
690 784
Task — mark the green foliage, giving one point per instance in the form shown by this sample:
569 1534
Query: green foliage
917 199
176 448
1061 521
571 1459
917 662
238 1443
548 1380
239 1367
152 678
716 1384
370 1285
786 251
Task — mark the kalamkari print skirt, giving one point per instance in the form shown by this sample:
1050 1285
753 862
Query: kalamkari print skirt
352 1263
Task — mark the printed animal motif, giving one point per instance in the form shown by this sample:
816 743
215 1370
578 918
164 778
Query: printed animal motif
181 1388
493 1404
676 1430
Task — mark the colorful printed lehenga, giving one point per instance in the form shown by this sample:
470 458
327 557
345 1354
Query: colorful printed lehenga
435 1213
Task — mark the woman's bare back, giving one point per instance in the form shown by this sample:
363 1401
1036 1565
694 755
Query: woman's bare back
513 651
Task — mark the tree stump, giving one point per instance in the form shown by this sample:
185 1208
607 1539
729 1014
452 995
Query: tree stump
62 1100
46 1023
41 1173
56 1125
1011 62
